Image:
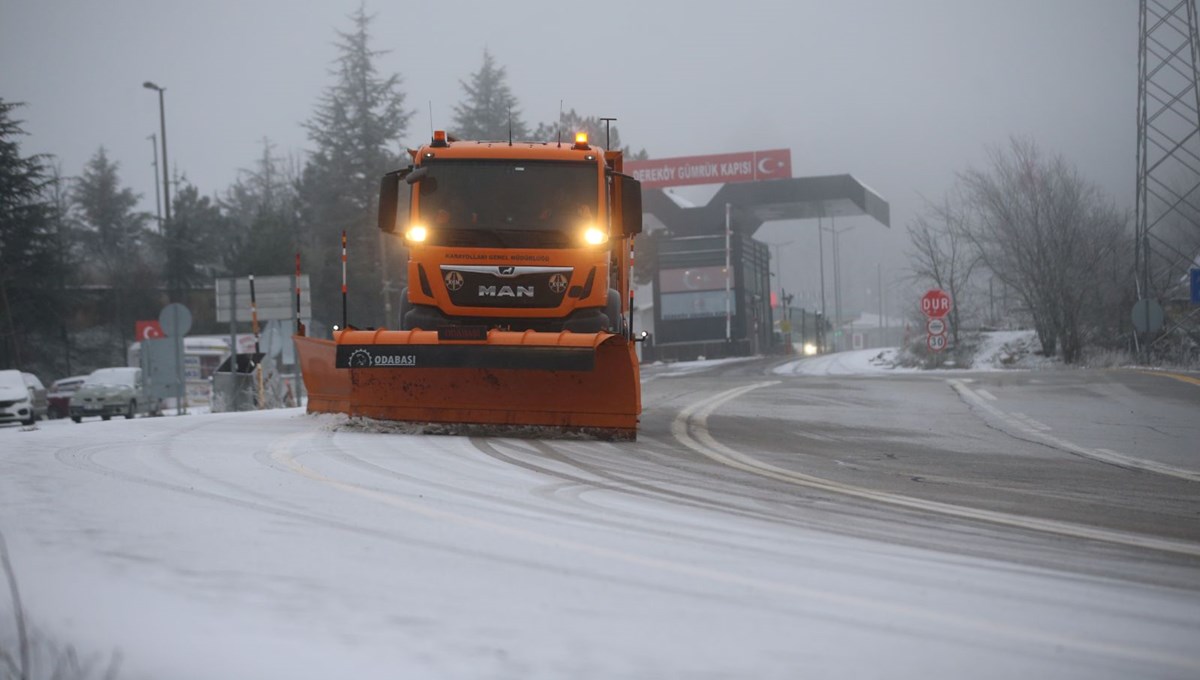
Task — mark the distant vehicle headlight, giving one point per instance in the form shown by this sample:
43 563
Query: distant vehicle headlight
809 349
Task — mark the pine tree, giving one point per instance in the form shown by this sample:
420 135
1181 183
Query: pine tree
489 106
114 235
261 235
198 227
358 122
113 229
30 299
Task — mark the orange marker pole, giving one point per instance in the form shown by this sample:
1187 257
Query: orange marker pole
344 325
258 370
299 324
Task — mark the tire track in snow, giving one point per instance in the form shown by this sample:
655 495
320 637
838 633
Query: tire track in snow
870 609
83 458
591 479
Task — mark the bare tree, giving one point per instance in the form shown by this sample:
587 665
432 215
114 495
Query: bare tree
942 253
1051 236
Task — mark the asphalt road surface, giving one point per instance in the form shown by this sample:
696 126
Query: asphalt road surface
1081 459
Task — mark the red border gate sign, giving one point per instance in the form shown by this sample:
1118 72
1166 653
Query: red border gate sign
935 304
745 166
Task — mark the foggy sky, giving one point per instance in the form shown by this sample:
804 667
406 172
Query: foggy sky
899 94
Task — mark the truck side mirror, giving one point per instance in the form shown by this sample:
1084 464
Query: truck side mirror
395 196
631 205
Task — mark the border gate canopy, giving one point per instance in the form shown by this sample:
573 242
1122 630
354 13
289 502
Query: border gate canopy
755 203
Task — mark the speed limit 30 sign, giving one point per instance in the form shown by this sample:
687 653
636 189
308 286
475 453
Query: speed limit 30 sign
936 343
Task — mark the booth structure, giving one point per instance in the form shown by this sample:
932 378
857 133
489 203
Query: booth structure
701 309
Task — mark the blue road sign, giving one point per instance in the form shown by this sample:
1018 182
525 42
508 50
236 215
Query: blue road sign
1196 286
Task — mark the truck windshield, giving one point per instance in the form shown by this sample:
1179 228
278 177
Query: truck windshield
508 195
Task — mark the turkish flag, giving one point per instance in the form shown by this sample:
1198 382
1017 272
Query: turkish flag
147 330
773 164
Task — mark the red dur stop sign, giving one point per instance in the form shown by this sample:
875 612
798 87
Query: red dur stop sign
935 304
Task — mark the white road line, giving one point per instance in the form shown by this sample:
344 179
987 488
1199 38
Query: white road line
690 428
1037 425
986 394
1036 430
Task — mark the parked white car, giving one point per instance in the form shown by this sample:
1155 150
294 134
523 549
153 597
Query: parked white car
109 392
22 397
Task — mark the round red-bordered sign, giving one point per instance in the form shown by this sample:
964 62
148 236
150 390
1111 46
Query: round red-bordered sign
936 343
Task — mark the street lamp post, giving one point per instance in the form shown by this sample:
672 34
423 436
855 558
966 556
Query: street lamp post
162 121
166 227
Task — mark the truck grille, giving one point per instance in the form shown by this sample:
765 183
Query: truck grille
519 287
500 238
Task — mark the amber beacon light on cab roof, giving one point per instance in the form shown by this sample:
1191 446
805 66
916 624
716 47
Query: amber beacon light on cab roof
517 310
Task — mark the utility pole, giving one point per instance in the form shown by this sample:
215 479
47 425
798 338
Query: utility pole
879 290
728 281
837 275
157 191
837 286
779 282
821 249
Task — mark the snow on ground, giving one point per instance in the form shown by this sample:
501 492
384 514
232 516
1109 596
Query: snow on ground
857 362
678 368
273 544
1000 350
997 351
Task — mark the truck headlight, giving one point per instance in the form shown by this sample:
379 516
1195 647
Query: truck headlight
417 233
594 236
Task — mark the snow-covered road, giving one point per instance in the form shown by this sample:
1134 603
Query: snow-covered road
276 544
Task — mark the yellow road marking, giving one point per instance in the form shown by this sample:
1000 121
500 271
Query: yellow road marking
1177 376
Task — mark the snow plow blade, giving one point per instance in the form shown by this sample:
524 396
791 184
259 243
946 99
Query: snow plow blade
585 382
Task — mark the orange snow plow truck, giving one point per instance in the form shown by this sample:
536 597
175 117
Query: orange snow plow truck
517 310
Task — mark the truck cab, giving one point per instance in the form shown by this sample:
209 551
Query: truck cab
514 236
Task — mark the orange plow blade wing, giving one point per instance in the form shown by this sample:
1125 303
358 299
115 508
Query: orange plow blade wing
572 381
